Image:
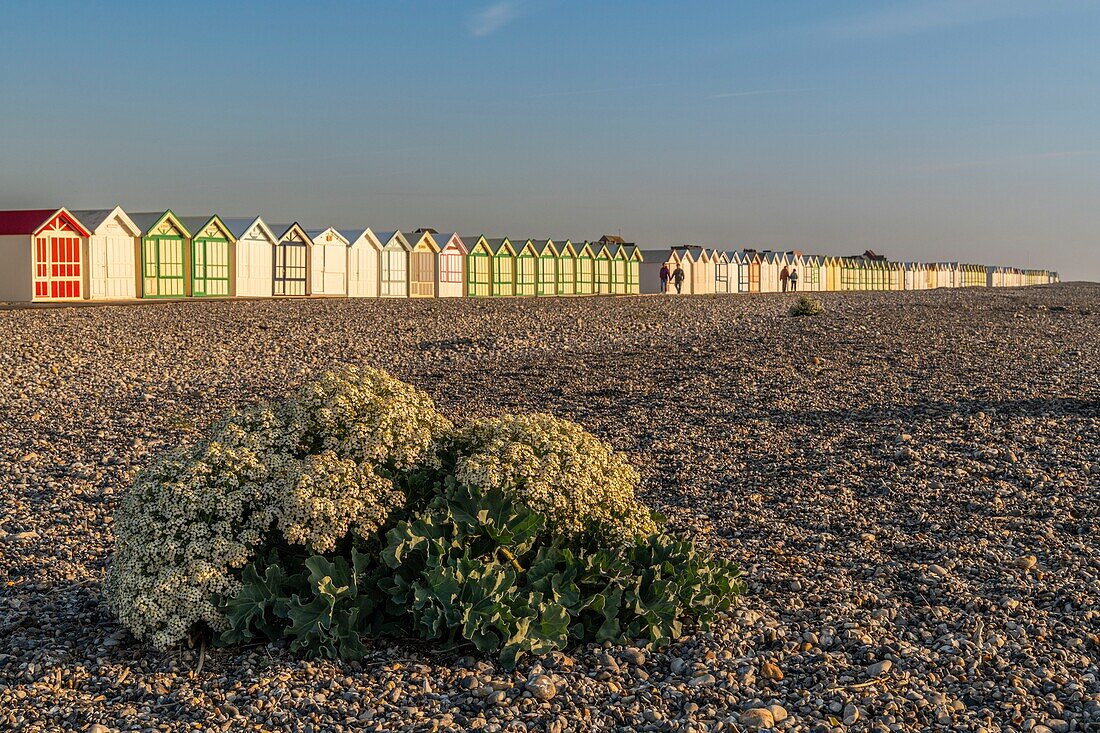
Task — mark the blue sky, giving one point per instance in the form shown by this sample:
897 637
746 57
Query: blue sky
925 129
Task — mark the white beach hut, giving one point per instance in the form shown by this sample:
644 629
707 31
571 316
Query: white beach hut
451 280
112 253
292 259
255 259
328 263
394 275
364 253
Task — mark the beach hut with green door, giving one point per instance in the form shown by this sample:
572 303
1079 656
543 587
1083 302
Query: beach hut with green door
546 278
502 267
526 266
165 255
567 267
585 275
479 266
602 260
212 256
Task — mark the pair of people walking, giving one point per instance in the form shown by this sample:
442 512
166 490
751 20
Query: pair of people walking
676 277
789 277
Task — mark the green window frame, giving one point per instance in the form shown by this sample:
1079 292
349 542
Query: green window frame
210 267
163 273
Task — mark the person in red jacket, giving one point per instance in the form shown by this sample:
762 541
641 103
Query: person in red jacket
784 276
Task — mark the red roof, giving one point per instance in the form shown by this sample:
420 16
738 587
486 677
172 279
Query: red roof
29 221
24 222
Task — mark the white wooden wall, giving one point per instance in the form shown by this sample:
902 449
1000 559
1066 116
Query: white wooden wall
112 265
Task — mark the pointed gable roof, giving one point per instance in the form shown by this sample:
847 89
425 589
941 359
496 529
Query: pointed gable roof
146 220
30 221
317 234
448 239
356 235
241 227
196 224
387 238
93 219
497 245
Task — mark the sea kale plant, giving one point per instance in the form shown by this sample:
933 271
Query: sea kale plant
354 510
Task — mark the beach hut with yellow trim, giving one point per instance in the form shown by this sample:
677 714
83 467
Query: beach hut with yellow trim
546 267
213 255
566 267
585 270
619 266
634 261
527 267
502 267
165 255
601 262
479 266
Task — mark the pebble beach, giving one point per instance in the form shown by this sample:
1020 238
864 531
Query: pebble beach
910 482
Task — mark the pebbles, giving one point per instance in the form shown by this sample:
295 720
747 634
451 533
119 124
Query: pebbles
900 592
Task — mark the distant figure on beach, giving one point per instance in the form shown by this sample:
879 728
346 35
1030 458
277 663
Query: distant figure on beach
784 276
678 278
794 280
664 278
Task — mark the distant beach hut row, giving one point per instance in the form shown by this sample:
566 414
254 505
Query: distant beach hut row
708 270
109 254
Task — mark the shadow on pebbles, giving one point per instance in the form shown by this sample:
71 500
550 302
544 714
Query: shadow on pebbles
909 480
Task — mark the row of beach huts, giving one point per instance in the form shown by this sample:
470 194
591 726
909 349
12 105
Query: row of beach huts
109 254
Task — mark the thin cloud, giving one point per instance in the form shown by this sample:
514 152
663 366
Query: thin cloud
914 17
755 93
491 19
992 162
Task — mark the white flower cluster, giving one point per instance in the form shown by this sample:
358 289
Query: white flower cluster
555 467
312 469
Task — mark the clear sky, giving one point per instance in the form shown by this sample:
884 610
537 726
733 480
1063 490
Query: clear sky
924 129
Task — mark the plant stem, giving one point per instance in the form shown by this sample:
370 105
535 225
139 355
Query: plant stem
511 558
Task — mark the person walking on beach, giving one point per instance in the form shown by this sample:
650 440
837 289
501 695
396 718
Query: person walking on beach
664 278
784 276
794 280
678 278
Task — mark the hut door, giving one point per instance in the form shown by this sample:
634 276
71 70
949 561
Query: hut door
290 268
57 266
423 274
394 272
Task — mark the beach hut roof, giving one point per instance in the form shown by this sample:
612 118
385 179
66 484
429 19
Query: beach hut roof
146 220
239 227
544 245
196 224
281 230
93 218
29 221
384 238
499 244
315 234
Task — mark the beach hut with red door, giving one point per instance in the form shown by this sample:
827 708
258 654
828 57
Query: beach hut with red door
44 254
